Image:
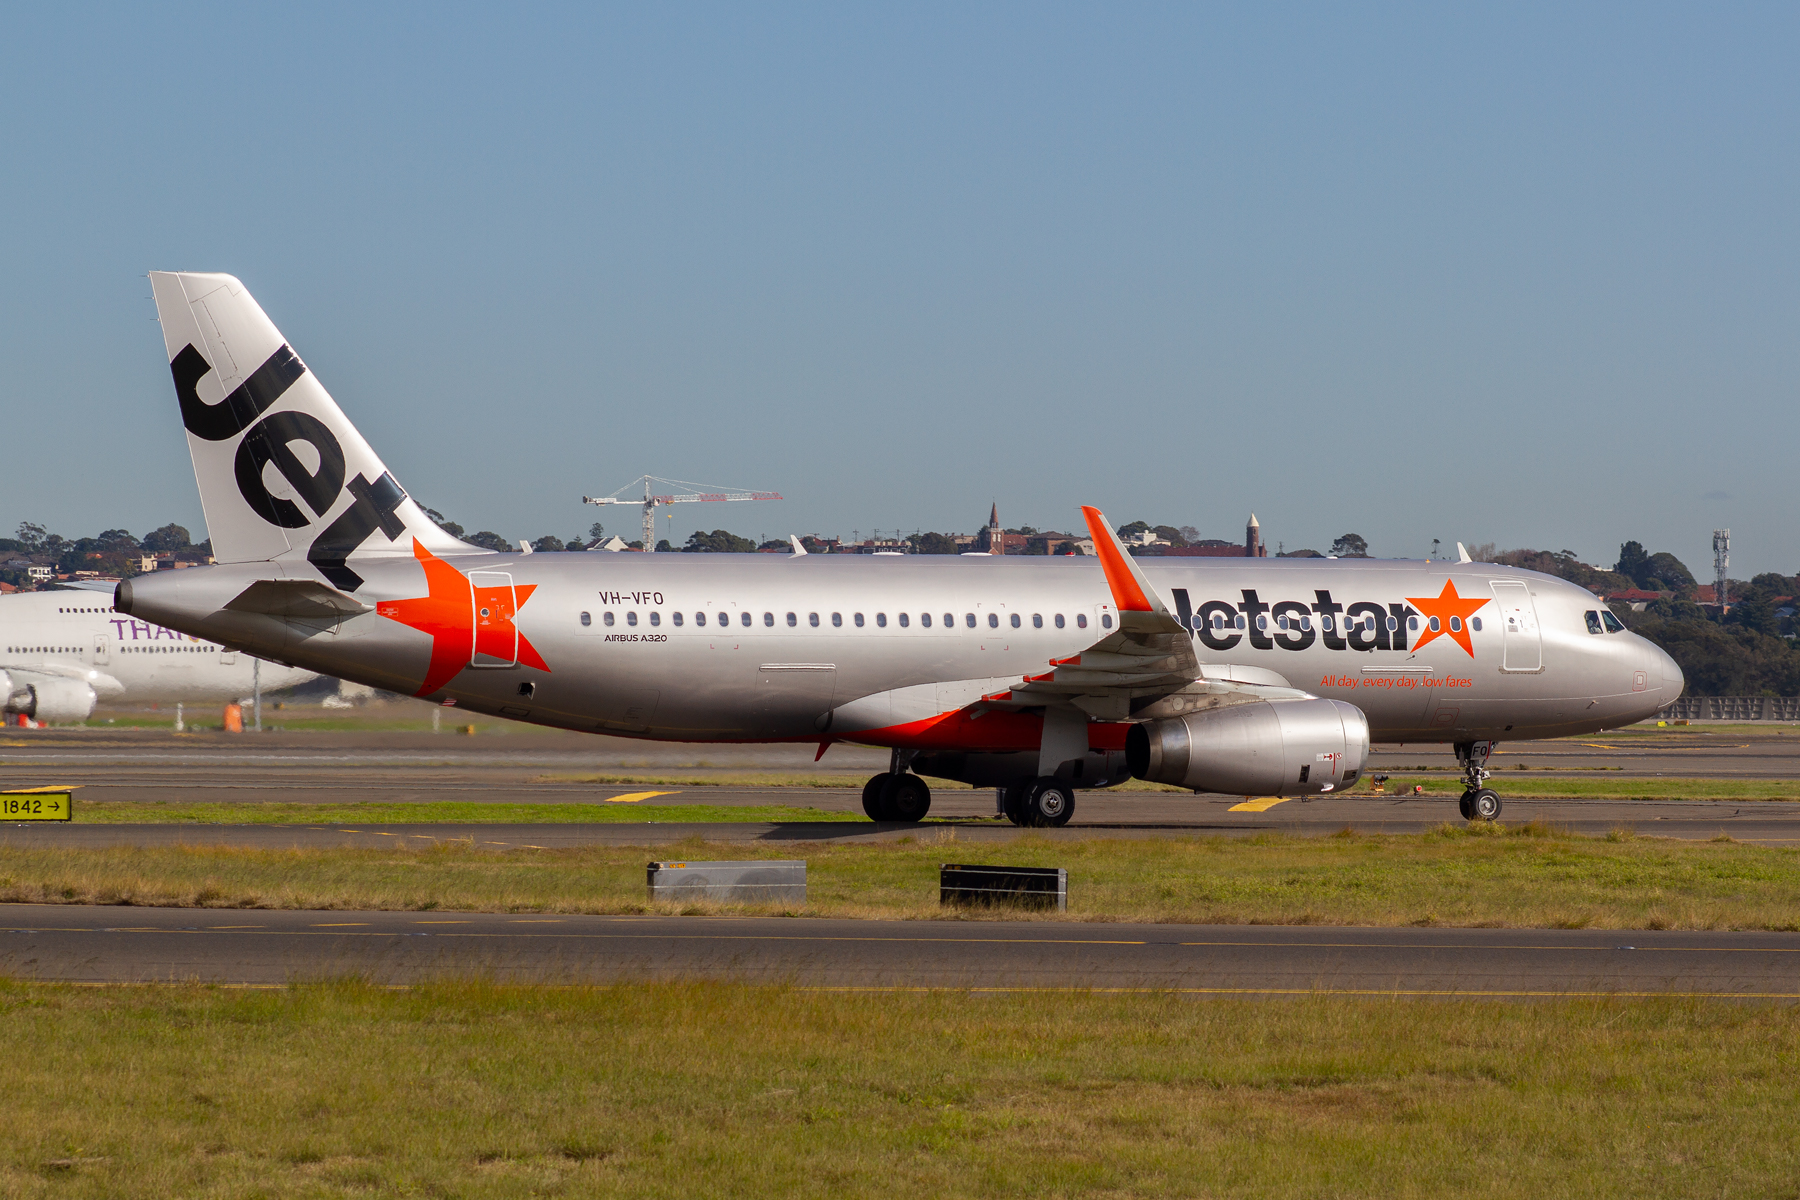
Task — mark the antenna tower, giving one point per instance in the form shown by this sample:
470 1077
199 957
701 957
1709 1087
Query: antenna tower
684 493
1721 560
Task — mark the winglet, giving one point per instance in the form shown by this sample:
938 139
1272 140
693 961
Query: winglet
1462 555
798 551
1131 591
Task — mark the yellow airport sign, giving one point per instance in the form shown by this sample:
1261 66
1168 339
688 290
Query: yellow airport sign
37 804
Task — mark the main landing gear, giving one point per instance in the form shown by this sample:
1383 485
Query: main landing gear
1479 802
1038 803
898 794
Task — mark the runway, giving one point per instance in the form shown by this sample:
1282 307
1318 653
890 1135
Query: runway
224 946
544 767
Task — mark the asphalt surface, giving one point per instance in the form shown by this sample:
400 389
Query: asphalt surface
123 945
522 765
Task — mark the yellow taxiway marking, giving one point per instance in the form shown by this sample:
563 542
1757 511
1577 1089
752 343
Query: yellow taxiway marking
1258 804
341 925
634 797
1430 993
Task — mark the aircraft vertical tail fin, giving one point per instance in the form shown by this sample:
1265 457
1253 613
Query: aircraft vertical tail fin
283 474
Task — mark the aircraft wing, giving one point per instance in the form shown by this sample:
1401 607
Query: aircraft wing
1150 654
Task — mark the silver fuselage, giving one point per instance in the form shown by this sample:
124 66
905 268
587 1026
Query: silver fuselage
717 647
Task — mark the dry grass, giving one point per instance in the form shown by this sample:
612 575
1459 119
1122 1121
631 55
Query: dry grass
1534 875
682 1090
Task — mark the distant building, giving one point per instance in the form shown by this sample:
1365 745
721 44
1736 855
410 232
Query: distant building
1215 548
40 574
993 540
1253 543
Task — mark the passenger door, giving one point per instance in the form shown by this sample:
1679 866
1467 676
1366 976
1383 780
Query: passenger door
496 638
1522 648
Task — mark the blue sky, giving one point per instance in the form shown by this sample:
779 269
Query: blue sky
1523 274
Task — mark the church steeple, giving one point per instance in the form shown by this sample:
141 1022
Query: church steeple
996 543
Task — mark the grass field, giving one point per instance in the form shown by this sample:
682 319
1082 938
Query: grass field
1527 876
685 1090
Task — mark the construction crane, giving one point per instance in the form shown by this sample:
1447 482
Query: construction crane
682 492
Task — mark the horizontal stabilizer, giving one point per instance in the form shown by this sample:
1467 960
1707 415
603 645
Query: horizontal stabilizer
297 598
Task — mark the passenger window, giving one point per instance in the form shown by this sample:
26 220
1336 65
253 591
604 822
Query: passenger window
1262 622
675 617
587 619
1106 620
881 620
949 620
1455 624
1593 621
969 620
1059 620
1281 622
1240 622
1475 624
699 618
859 620
925 620
656 618
792 620
1015 620
1306 624
769 620
631 618
837 620
1081 620
1613 624
903 621
812 619
1037 620
744 619
1393 624
1435 627
993 620
1412 624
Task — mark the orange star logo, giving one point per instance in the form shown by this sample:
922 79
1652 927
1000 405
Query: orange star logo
463 620
1451 613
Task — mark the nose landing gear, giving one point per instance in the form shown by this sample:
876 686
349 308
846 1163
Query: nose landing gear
1479 802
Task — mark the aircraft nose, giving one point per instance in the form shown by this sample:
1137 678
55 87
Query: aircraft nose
1672 678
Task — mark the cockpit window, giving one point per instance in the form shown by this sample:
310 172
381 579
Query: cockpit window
1593 621
1613 624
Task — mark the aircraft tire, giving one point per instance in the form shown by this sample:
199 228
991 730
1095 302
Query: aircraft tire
1462 806
1013 805
872 797
1048 804
905 797
1484 805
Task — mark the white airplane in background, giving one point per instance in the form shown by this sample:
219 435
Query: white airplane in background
1039 676
62 652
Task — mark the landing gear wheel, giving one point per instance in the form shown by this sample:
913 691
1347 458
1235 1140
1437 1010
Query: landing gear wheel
872 798
1464 807
905 798
1484 805
1013 803
1048 803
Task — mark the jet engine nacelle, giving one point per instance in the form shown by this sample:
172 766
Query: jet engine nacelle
47 699
1266 748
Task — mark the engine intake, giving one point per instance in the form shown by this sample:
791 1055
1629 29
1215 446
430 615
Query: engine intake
1267 748
48 699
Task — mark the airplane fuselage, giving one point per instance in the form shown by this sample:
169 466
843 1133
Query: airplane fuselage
776 648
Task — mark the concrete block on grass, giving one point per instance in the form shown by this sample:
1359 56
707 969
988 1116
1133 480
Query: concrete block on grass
730 881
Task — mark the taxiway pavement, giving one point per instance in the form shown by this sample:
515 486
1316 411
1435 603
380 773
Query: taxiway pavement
123 945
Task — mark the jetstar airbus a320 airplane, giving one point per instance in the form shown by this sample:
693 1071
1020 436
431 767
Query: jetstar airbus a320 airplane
1036 676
